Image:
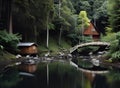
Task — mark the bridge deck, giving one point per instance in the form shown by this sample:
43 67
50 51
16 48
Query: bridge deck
89 44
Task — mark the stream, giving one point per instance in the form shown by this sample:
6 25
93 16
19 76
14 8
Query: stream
60 75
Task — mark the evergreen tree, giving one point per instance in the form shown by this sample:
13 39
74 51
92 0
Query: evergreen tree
115 14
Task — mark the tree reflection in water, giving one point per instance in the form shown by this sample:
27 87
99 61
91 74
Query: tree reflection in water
114 78
100 81
61 75
9 78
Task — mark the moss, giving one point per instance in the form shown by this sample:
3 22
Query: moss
4 55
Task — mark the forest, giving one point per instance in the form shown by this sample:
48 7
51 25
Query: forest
58 23
60 17
54 27
57 19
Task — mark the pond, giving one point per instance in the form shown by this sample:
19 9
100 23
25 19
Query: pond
58 75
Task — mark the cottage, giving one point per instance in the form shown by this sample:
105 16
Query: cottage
27 48
91 31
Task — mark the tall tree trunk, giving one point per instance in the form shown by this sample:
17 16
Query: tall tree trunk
61 26
47 42
10 24
59 7
47 37
60 35
0 8
83 40
35 33
10 29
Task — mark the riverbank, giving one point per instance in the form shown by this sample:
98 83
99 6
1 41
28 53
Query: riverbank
111 64
54 47
4 55
5 58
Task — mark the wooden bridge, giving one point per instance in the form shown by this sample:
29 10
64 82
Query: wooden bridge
89 44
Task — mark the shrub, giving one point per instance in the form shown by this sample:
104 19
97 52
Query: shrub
114 51
9 41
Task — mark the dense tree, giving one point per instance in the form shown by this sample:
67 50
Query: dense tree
64 19
83 23
114 14
9 41
113 32
97 11
5 15
38 17
81 5
33 15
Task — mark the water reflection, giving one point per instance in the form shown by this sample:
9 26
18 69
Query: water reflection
100 81
9 78
61 75
26 82
114 78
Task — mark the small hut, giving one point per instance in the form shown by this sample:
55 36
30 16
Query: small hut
91 31
27 48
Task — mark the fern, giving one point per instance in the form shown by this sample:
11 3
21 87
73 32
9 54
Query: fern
115 48
9 41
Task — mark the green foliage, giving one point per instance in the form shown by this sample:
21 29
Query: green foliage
102 10
9 41
36 15
62 68
83 20
74 38
82 23
61 75
109 38
108 30
9 79
51 26
54 48
81 5
32 16
88 39
84 64
64 15
115 48
94 8
116 56
114 39
6 56
88 49
114 14
114 75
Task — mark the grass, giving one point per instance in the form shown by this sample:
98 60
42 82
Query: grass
54 47
4 55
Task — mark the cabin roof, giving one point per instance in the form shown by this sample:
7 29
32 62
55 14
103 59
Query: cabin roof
25 44
91 30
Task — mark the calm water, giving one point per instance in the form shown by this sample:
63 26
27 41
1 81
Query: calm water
58 75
